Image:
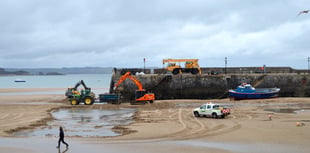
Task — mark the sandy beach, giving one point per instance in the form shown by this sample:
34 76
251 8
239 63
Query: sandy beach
165 126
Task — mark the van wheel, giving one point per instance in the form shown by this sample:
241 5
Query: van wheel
196 114
214 115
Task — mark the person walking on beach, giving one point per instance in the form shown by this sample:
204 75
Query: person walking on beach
61 138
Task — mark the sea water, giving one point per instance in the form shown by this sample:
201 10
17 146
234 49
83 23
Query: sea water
99 83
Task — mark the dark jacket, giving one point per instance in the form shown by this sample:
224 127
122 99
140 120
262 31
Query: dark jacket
61 133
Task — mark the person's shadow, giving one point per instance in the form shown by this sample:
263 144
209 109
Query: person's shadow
59 151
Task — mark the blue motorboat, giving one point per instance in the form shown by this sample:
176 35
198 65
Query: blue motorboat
247 91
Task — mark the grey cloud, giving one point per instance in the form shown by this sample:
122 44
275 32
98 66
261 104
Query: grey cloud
121 33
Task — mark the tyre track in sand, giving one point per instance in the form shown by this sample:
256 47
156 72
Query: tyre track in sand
192 127
185 125
188 126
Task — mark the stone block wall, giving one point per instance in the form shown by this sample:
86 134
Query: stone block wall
188 86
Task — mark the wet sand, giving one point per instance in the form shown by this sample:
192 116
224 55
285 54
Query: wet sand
165 126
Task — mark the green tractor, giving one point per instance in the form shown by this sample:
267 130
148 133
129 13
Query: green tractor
75 97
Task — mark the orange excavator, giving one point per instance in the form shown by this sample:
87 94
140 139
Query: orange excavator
141 95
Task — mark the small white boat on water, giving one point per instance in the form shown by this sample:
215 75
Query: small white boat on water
19 80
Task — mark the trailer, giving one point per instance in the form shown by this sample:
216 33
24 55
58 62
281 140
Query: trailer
110 98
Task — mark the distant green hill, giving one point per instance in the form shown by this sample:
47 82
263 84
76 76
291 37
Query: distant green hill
16 72
55 71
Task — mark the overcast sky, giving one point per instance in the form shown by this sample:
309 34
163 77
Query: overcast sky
120 33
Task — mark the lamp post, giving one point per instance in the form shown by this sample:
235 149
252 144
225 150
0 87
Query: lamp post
144 65
225 65
308 64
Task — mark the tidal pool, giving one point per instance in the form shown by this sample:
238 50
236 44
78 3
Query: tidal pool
83 122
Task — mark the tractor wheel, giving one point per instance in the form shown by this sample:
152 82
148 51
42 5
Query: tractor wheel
74 101
88 100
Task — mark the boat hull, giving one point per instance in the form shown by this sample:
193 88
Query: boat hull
240 96
19 80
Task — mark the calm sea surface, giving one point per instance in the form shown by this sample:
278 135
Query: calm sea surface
99 83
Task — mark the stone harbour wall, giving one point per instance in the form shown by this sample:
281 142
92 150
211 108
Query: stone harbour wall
188 86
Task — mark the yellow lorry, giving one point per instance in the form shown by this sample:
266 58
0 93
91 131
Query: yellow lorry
191 66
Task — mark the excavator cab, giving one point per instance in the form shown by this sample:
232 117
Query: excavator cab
142 95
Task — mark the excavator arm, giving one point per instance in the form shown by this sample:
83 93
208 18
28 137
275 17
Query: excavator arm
71 91
132 78
81 82
179 60
141 94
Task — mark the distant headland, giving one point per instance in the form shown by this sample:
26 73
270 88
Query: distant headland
55 71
